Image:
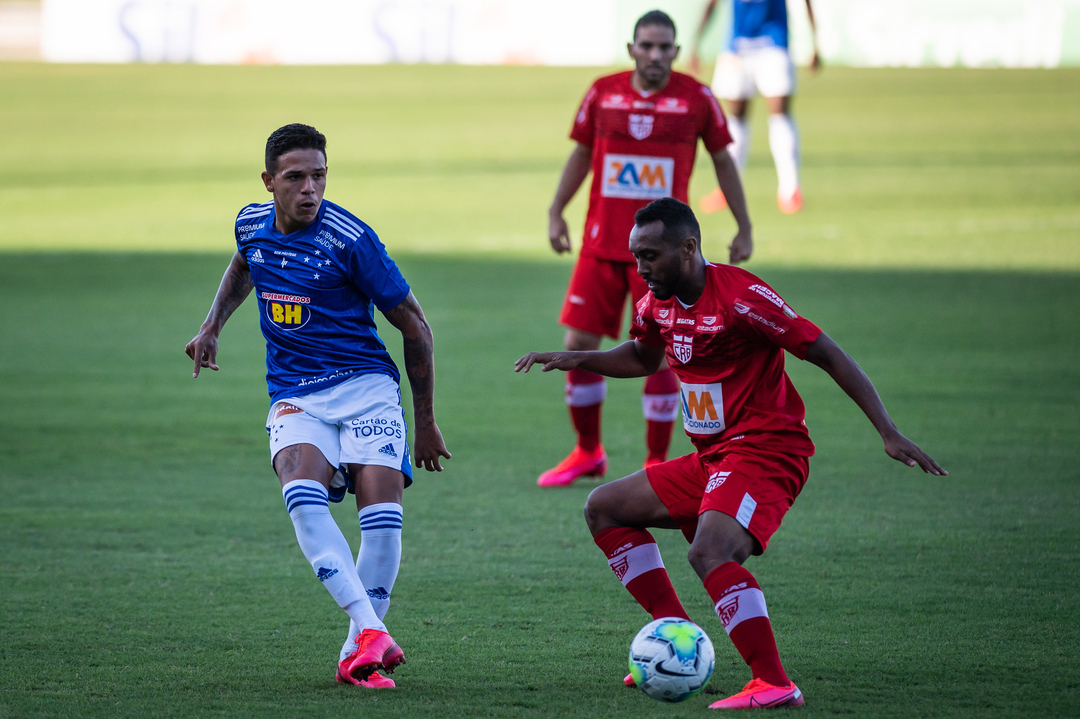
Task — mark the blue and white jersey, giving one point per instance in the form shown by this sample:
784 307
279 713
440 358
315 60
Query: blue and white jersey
758 23
316 288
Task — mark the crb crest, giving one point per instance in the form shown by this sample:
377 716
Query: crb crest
683 347
641 126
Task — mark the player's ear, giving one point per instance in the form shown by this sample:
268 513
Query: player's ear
268 180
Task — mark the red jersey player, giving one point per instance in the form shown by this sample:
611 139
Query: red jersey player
724 333
638 132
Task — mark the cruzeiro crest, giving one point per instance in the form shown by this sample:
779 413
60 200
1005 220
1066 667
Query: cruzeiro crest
684 347
641 126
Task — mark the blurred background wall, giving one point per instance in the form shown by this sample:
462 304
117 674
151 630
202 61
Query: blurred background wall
869 33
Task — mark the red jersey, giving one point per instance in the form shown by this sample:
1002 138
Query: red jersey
643 148
728 350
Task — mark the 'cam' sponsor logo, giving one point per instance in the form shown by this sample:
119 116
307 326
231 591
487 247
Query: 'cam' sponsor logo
637 177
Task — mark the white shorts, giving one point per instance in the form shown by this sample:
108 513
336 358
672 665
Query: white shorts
768 69
359 421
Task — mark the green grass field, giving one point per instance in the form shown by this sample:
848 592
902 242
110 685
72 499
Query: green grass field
149 567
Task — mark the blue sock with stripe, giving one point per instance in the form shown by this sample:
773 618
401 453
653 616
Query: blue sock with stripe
378 559
325 547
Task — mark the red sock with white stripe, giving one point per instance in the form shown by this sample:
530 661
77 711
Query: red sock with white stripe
741 607
634 557
660 405
585 392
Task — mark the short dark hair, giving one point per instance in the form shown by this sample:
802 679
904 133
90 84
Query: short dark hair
678 218
292 137
654 17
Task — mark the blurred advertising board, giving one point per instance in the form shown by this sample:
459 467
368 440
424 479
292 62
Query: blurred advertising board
874 33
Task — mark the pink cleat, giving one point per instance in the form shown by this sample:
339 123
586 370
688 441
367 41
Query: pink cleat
713 202
791 204
759 694
628 680
578 463
375 681
374 650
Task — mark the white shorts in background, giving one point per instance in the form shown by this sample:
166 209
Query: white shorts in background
359 421
766 69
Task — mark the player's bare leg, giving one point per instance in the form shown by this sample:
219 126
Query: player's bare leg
719 548
739 148
305 477
585 394
379 494
784 143
618 514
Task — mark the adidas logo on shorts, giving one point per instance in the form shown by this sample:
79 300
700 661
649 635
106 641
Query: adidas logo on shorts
324 573
388 449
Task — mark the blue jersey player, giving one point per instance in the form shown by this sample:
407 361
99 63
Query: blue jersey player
335 421
756 58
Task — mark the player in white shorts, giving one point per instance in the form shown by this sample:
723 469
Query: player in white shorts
756 59
335 422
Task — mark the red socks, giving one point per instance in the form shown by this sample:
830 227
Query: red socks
660 405
585 394
741 607
635 559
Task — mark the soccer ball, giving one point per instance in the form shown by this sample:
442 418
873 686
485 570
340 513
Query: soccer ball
671 659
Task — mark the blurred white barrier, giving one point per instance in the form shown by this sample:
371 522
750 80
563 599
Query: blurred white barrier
553 32
972 33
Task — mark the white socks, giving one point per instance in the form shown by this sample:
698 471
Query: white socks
378 560
784 143
325 547
740 141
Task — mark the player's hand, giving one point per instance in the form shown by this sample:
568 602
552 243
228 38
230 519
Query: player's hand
203 349
904 450
429 447
558 233
815 62
565 361
741 247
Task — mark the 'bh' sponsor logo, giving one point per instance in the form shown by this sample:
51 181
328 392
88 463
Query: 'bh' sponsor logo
288 315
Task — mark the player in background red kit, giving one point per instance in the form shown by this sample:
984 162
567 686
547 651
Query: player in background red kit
724 332
638 132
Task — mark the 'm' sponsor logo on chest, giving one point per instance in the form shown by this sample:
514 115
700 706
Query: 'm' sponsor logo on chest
637 177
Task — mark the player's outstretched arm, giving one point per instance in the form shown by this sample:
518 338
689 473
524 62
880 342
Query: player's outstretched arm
727 176
630 359
827 355
419 350
234 288
575 172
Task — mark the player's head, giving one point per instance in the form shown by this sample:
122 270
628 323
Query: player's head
296 172
653 49
666 242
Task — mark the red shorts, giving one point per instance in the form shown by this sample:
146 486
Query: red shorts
755 487
597 295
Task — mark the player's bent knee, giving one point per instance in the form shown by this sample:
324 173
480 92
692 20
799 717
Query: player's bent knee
705 555
598 510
